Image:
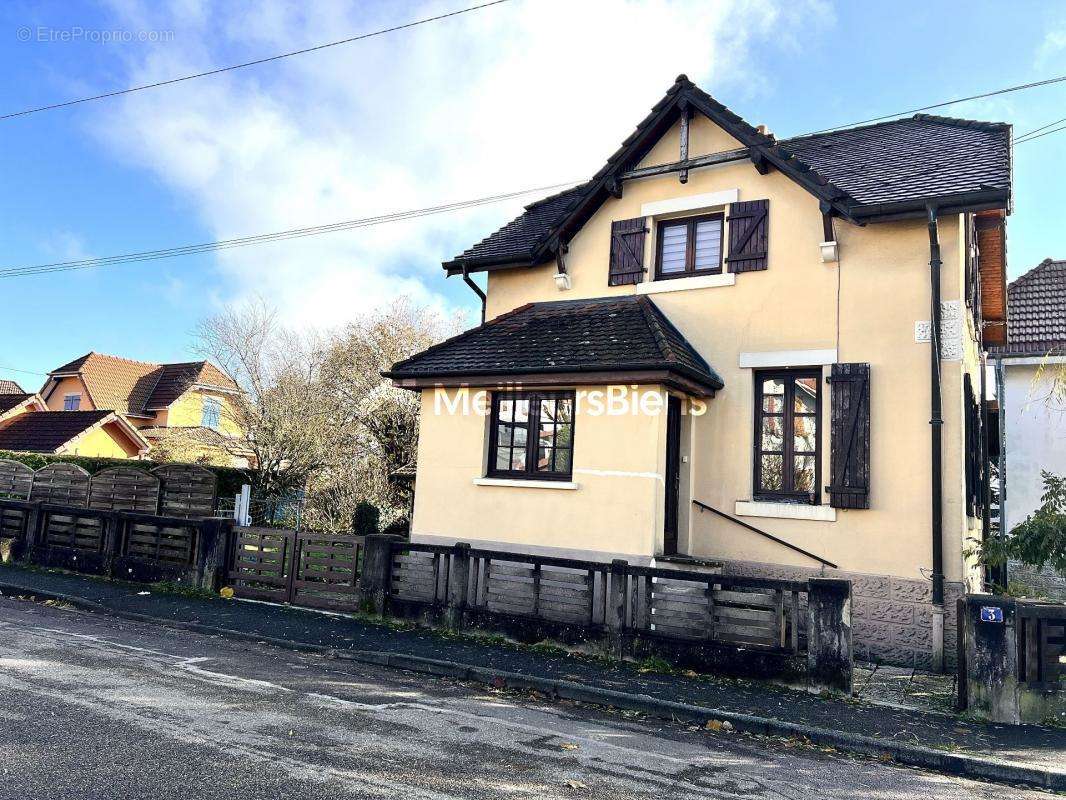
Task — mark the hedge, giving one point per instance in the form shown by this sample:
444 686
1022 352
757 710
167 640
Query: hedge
230 479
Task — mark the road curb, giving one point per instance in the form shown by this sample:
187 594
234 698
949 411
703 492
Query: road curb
961 764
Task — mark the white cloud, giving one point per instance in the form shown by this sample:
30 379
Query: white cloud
523 94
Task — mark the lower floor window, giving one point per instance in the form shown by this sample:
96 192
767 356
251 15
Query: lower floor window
787 444
532 435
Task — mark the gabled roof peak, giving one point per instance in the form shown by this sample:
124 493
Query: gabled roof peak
866 173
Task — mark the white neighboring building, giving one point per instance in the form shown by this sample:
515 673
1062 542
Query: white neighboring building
1034 425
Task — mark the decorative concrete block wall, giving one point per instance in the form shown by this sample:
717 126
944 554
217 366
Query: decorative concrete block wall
892 618
1039 582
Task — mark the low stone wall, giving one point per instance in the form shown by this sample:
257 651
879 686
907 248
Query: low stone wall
892 618
1038 582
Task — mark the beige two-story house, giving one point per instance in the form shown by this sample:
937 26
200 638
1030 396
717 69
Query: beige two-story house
759 355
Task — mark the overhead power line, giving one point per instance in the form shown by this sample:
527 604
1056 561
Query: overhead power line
26 371
1030 138
266 60
993 93
264 238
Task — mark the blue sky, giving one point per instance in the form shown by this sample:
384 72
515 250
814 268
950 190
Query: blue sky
525 94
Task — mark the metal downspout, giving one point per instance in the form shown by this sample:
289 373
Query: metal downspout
936 423
477 290
1004 523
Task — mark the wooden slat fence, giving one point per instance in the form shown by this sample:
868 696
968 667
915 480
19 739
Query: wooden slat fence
160 540
61 484
72 529
694 607
327 569
124 489
15 480
747 612
187 490
1042 645
309 568
260 564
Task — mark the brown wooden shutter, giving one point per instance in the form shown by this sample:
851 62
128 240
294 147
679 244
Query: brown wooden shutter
627 251
748 242
849 436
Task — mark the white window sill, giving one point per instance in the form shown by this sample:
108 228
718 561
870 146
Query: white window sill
754 508
680 284
520 484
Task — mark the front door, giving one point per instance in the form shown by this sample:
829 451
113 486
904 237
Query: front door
673 475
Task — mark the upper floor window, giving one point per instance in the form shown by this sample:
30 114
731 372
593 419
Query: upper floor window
71 402
690 246
787 442
212 412
532 435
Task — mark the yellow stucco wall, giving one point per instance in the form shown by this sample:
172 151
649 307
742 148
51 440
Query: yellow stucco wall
65 386
187 411
617 464
883 284
103 442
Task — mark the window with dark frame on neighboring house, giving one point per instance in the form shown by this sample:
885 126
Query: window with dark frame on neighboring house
787 441
71 402
531 435
691 246
211 416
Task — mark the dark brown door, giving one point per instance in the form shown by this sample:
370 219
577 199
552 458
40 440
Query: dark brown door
673 475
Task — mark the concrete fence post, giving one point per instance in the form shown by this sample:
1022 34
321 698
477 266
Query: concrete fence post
212 558
376 577
614 612
32 532
112 535
458 586
989 631
829 653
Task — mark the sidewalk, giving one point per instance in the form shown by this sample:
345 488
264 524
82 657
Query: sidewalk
1024 754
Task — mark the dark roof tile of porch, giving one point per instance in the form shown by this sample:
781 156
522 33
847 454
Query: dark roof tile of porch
626 335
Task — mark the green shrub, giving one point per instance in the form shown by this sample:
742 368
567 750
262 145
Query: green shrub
366 519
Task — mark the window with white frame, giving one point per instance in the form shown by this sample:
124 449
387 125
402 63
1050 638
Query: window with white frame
71 402
212 413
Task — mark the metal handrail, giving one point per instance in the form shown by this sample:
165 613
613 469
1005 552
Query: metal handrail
770 536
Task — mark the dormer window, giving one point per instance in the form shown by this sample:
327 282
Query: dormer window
71 402
687 247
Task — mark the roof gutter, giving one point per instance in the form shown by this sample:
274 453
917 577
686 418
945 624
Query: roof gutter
936 422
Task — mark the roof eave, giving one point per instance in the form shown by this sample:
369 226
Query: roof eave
615 373
957 203
455 266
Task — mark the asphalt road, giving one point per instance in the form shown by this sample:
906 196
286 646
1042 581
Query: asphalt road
95 707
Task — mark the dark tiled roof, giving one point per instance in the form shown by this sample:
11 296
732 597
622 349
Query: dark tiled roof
518 237
1036 311
612 334
918 158
9 401
10 387
888 168
173 380
47 431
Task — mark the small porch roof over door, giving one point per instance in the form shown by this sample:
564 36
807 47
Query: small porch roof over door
610 340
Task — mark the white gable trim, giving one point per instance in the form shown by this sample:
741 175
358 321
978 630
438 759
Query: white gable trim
693 202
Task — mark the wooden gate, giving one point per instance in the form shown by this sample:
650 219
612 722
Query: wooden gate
306 568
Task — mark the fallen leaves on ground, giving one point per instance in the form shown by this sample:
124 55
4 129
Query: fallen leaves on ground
718 725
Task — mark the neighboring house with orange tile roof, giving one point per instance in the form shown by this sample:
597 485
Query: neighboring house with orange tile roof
191 401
